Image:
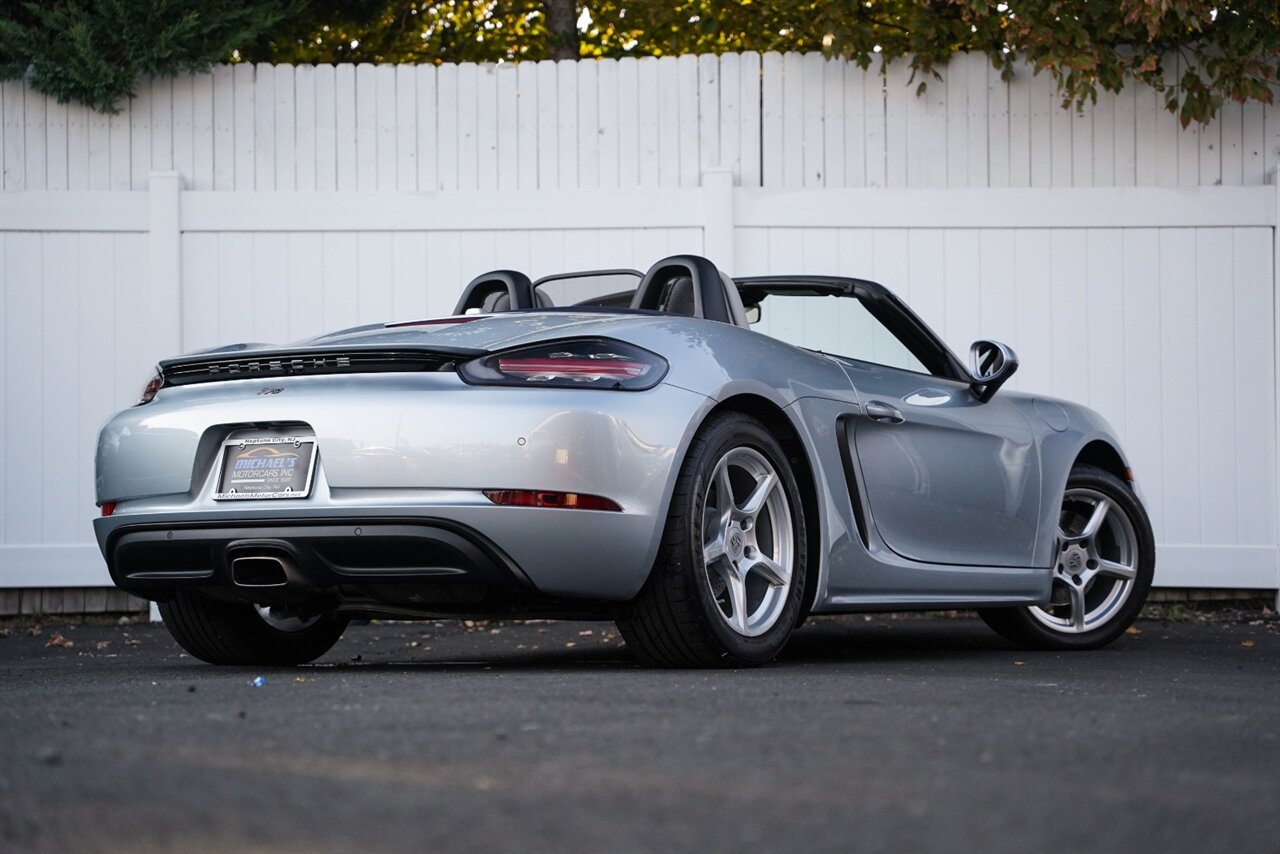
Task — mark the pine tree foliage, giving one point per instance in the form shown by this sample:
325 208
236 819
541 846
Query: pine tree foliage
94 51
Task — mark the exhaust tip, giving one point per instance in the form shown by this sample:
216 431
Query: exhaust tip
259 571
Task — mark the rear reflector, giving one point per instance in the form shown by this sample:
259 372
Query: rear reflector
540 498
108 507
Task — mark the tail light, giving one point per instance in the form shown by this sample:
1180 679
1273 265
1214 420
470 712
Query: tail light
580 363
542 498
149 392
107 508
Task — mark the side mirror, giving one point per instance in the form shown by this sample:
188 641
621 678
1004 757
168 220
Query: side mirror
990 365
753 314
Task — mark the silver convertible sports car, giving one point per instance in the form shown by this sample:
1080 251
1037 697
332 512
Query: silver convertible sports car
705 460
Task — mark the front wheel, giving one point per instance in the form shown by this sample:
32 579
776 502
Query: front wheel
729 581
239 633
1104 560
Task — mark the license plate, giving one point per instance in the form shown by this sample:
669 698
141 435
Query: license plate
268 467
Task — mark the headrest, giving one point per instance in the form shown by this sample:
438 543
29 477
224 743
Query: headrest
496 301
678 297
659 286
483 292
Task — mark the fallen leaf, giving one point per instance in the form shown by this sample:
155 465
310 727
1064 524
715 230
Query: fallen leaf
1133 630
133 642
35 631
570 645
1019 663
300 679
586 634
59 641
1246 643
5 632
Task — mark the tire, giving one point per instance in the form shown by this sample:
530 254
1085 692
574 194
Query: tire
238 633
739 607
1102 574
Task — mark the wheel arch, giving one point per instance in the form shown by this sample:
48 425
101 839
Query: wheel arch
1061 453
1104 455
781 427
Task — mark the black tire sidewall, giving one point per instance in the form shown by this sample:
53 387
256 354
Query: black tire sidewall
224 632
728 433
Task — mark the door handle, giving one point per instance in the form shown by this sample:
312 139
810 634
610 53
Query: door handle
884 413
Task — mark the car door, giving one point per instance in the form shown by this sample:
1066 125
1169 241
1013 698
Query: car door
948 478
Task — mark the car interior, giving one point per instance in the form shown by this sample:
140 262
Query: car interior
692 286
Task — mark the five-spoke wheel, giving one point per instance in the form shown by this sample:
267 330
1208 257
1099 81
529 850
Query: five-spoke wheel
1104 558
1096 563
747 547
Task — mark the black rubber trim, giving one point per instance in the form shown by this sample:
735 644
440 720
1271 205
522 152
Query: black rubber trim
845 433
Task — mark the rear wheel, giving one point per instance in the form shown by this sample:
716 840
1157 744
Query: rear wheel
729 581
1104 562
240 633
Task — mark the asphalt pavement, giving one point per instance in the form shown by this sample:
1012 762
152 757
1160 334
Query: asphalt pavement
869 734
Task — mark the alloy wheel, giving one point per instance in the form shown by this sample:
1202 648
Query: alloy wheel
1097 561
748 542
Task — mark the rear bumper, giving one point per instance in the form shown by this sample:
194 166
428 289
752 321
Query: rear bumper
564 554
412 563
413 450
314 554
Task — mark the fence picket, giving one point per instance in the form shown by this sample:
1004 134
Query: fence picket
307 127
608 116
527 125
286 132
486 127
405 128
366 126
508 142
588 125
264 127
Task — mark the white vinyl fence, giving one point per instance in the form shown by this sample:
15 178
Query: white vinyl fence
272 203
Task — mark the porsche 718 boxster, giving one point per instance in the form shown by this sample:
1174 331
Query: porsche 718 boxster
705 460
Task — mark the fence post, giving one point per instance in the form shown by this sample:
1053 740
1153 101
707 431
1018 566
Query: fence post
164 261
1275 343
717 217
